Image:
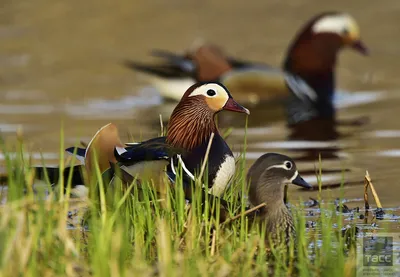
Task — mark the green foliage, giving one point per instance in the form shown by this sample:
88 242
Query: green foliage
133 231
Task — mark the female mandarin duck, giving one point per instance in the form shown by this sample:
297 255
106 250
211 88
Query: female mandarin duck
306 81
267 179
190 128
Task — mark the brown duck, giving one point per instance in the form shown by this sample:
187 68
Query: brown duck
267 180
306 80
190 128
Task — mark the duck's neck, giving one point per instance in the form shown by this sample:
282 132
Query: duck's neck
278 221
190 126
274 211
314 60
275 214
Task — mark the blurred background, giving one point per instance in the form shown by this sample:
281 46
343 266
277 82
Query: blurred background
61 62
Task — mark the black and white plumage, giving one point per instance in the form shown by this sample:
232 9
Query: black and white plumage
189 131
190 128
221 163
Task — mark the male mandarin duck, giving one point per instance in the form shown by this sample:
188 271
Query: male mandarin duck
190 128
267 179
306 79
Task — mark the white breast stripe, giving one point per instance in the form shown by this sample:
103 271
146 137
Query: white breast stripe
184 167
294 176
223 176
172 166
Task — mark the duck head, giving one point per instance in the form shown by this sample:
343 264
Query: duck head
319 41
342 28
268 177
192 121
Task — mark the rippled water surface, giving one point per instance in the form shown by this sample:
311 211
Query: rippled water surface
61 61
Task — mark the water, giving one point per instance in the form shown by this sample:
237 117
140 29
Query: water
61 62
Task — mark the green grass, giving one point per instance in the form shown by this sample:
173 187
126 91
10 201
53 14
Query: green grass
131 232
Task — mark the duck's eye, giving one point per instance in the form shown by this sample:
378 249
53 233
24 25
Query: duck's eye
211 92
345 31
288 165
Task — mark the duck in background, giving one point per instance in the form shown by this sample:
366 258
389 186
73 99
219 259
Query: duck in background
267 180
306 80
190 130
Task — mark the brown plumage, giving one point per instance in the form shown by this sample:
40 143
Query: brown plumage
311 52
210 61
192 121
312 55
101 149
189 131
182 134
267 179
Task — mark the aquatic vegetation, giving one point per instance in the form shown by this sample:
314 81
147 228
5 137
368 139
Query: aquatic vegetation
129 231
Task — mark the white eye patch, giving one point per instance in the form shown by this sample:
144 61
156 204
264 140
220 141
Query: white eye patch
209 90
334 24
287 165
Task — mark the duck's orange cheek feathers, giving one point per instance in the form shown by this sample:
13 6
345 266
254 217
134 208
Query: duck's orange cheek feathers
216 103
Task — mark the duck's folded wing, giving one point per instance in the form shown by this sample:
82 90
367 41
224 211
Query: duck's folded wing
244 64
186 63
150 150
183 62
145 160
301 104
165 70
266 83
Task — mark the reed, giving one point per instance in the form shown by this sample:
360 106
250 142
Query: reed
118 233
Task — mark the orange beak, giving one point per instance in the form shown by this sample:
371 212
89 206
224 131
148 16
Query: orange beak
360 47
232 105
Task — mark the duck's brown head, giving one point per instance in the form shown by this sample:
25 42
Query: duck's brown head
192 120
317 44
